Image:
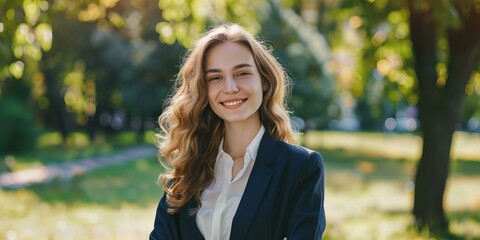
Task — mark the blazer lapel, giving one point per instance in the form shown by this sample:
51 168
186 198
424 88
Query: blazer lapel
256 186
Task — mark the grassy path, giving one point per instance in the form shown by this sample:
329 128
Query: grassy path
65 171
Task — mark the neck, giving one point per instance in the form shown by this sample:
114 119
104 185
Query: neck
238 136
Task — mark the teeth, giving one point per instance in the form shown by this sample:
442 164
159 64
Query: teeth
233 103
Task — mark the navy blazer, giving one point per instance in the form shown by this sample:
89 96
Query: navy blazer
283 198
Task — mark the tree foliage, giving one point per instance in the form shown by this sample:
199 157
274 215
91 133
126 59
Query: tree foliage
102 61
183 20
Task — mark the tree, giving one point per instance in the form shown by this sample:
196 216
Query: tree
440 102
24 34
445 40
433 29
76 60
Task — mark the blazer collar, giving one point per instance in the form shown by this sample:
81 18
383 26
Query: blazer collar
256 186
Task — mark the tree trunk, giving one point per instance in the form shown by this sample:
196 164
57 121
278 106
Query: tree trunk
439 109
432 171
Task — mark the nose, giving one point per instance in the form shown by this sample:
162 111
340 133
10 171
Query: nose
230 85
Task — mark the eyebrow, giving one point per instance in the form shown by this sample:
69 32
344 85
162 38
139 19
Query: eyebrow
235 67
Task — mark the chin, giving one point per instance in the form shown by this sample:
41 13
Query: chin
232 120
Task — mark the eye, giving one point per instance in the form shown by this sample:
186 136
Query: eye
214 78
242 74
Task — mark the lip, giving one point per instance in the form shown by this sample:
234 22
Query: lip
233 103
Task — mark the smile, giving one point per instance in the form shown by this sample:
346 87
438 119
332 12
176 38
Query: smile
233 103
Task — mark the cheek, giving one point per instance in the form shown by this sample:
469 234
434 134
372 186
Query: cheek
210 99
263 97
260 97
211 93
263 89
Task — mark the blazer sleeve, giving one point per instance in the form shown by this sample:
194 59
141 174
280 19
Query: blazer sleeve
165 227
308 216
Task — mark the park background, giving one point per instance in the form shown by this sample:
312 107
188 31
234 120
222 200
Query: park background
383 89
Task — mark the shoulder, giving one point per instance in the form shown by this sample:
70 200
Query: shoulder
297 165
299 152
283 154
299 157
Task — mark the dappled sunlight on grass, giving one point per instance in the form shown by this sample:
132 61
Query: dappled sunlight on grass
57 154
466 146
463 194
133 182
117 202
368 196
383 145
375 225
390 146
466 223
368 167
51 149
359 209
28 217
363 199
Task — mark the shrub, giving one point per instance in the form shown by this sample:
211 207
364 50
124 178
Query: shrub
17 130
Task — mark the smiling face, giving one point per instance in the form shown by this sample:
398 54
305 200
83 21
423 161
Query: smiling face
234 85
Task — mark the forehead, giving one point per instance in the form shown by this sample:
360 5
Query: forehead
226 55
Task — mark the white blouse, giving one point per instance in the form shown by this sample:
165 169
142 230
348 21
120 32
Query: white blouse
221 198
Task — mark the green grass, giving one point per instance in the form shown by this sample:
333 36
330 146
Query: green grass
52 150
391 146
368 196
132 183
117 202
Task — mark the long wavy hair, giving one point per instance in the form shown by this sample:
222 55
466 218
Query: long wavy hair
190 132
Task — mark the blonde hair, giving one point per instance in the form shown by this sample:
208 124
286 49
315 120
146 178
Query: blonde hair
190 132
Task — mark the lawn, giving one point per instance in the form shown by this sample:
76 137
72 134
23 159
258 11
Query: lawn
368 195
117 202
51 149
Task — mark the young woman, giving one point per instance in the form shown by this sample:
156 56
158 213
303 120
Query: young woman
231 171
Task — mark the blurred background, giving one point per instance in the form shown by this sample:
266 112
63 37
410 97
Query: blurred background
387 91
